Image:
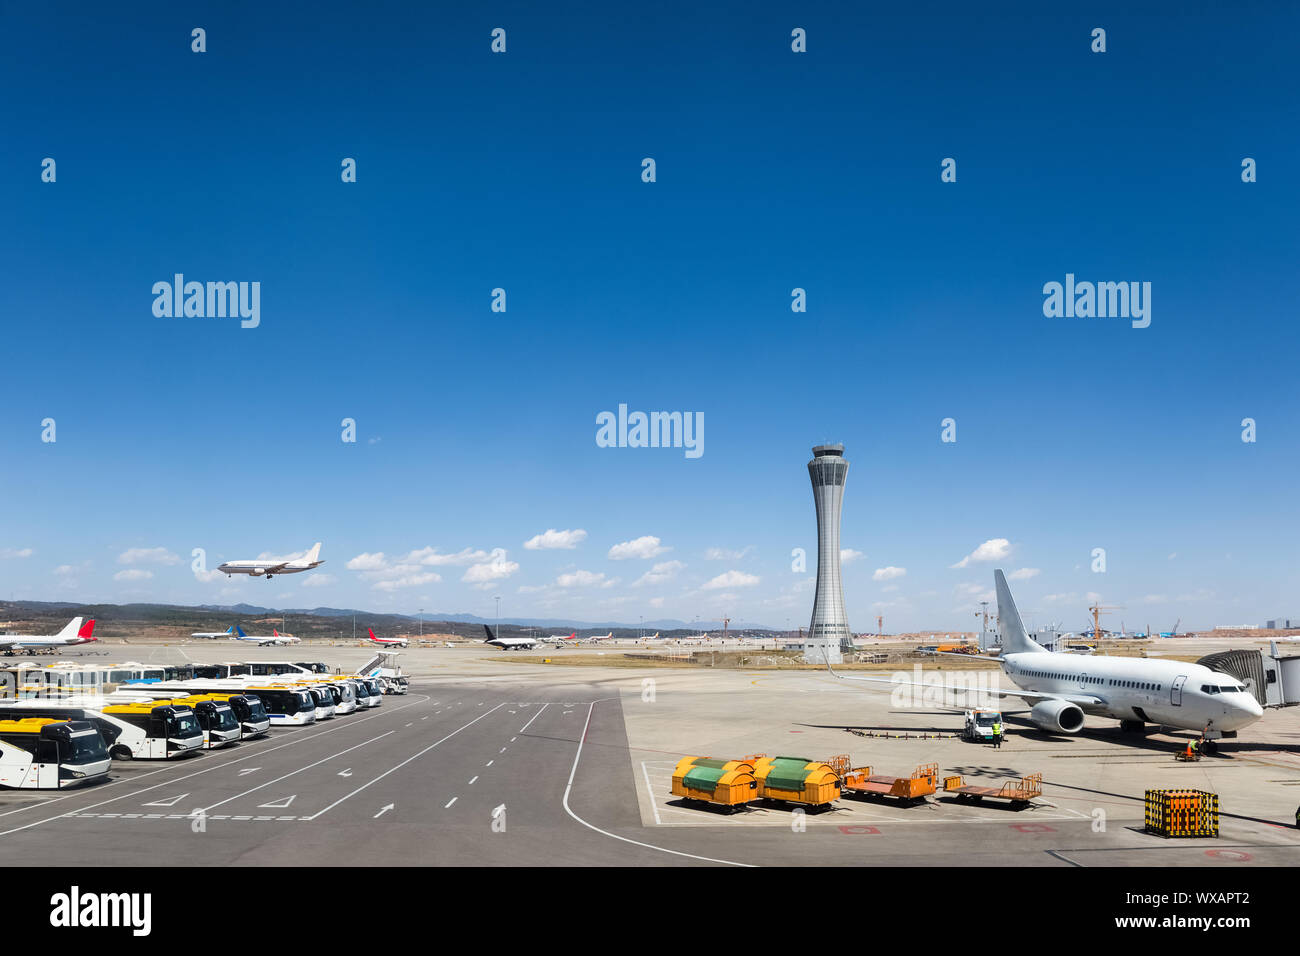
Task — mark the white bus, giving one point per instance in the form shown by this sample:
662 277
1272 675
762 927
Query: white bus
139 730
216 717
42 753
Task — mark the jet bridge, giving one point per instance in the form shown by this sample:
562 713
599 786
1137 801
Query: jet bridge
1274 680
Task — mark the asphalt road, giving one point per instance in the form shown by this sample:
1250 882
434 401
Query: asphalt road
494 772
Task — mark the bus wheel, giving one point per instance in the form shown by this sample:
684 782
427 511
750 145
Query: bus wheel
120 753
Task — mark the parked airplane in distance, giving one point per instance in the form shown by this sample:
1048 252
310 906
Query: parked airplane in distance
213 635
73 633
273 639
561 639
1062 688
509 643
273 566
387 641
600 637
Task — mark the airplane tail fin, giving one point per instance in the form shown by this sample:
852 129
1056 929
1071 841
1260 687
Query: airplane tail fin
274 632
490 635
371 632
312 556
71 628
239 631
1012 629
87 632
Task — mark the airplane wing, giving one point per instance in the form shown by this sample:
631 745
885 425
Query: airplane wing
9 645
1083 700
271 569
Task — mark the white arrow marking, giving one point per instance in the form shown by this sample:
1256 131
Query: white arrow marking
450 802
471 782
346 773
249 770
277 804
382 811
166 803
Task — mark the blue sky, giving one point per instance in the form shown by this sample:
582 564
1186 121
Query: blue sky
775 170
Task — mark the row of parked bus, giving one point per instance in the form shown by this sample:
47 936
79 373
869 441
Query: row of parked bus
60 739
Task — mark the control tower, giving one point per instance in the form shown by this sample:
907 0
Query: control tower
829 631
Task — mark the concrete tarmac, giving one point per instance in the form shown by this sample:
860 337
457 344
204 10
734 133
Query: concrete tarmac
499 759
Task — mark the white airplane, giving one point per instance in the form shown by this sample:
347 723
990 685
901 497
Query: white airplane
509 643
600 637
560 640
273 639
213 635
73 633
273 566
387 641
1062 688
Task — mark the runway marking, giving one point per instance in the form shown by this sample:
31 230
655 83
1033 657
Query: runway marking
278 804
472 779
299 770
166 803
450 802
489 763
382 811
568 787
219 766
654 805
502 750
530 722
249 770
405 762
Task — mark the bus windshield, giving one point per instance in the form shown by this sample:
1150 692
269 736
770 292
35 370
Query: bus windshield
255 709
183 725
225 719
87 748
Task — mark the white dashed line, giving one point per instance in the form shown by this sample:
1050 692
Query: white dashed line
450 802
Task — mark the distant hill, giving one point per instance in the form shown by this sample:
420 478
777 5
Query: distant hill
175 622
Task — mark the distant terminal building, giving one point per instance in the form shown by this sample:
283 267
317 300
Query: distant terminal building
1236 627
829 633
1283 624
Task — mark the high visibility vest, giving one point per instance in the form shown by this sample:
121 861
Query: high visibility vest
997 730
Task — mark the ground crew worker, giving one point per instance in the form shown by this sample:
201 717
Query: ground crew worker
997 735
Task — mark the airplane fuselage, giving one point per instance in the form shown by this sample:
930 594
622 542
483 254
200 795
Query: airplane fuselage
1170 693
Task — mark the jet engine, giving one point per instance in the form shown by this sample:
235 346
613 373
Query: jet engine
1057 716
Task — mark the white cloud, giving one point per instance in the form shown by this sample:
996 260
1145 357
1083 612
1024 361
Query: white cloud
644 547
661 572
725 554
16 553
732 579
133 574
496 568
583 579
431 557
1023 574
207 576
410 580
552 540
531 588
993 549
848 554
147 556
368 562
65 569
318 580
888 574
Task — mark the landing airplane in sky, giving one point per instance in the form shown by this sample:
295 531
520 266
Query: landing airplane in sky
387 641
273 566
509 643
264 640
1062 688
73 633
213 635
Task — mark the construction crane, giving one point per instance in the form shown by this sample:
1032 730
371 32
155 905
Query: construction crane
725 622
1096 610
880 625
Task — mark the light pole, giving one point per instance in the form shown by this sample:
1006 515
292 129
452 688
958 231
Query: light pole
421 623
498 600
